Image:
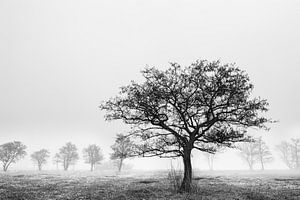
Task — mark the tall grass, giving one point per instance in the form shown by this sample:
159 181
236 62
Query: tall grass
175 178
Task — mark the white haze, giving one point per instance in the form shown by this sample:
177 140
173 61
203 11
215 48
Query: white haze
60 59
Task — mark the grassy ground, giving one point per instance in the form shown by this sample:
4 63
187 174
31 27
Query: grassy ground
147 186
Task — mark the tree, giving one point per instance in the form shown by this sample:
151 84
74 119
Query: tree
11 152
255 151
263 152
210 157
92 155
68 155
248 152
179 109
122 149
295 144
290 152
285 150
40 157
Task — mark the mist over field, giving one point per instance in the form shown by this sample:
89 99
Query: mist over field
61 60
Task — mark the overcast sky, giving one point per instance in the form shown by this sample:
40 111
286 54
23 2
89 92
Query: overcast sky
59 59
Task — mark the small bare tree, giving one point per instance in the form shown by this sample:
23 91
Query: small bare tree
290 153
56 160
285 150
68 155
40 157
122 149
295 143
248 152
263 152
92 155
11 152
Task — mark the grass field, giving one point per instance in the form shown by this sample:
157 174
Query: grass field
147 185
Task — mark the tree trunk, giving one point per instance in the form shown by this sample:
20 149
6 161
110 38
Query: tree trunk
92 167
66 166
262 165
120 165
296 158
250 163
187 177
251 166
4 168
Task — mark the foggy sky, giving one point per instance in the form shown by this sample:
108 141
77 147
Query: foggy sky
60 59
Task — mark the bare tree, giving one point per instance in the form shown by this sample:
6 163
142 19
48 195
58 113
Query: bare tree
92 155
122 149
285 150
177 110
40 157
11 152
290 152
255 151
295 144
68 155
263 152
248 152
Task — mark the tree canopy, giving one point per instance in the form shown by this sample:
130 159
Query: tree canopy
254 152
92 155
67 155
11 152
290 153
122 148
40 157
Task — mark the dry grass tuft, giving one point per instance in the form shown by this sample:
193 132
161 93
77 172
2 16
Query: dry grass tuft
174 178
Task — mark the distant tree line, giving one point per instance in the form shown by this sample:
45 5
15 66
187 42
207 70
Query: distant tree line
67 155
256 152
253 152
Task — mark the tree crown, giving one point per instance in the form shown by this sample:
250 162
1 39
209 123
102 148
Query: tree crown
93 154
68 153
12 151
185 108
122 148
40 156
